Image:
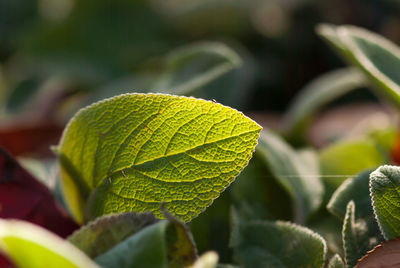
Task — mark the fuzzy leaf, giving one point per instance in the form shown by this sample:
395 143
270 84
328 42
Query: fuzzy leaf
102 234
276 244
357 239
387 254
376 56
136 151
385 194
297 172
336 262
356 189
163 244
30 246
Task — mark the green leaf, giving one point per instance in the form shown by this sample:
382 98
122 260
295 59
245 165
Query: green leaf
385 194
31 246
318 93
353 189
193 66
163 244
297 172
102 234
136 151
376 56
276 244
336 262
357 237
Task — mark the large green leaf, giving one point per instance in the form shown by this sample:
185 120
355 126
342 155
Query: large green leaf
297 172
376 56
31 246
385 194
166 243
276 244
134 152
357 238
102 234
318 93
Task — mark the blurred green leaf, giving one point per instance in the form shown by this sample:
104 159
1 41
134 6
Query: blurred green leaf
188 151
357 239
336 262
191 67
318 93
31 246
297 172
100 235
266 244
167 243
345 159
384 188
376 56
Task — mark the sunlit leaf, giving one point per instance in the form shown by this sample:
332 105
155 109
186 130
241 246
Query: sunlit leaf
31 246
336 262
136 151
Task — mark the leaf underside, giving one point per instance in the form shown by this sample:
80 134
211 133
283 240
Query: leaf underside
135 152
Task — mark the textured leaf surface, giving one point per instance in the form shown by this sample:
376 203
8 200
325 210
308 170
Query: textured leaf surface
276 244
163 244
98 236
356 237
387 254
336 262
31 246
385 193
318 93
135 151
297 172
376 56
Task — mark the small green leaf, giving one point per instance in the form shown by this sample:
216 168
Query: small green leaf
194 66
376 56
163 244
318 93
297 172
385 194
336 262
31 246
136 151
357 239
102 234
353 189
276 244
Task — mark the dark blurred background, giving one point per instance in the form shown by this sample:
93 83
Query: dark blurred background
85 45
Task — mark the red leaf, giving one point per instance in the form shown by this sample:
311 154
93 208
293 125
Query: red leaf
33 139
23 197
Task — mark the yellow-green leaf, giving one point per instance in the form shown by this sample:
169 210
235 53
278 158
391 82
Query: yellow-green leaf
135 152
31 246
